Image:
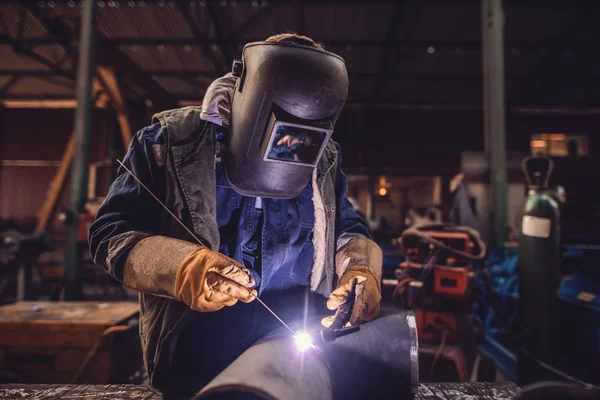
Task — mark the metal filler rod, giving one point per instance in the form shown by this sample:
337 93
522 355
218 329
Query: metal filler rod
200 243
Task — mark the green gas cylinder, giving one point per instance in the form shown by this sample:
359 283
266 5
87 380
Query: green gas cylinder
539 274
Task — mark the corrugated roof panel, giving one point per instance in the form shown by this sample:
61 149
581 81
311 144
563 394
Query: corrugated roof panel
66 10
426 91
150 21
540 23
398 91
554 94
363 59
170 58
203 20
451 22
10 60
236 19
11 16
360 89
180 87
275 18
4 80
28 86
439 60
520 62
56 54
347 21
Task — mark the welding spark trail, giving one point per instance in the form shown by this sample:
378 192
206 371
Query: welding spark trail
199 242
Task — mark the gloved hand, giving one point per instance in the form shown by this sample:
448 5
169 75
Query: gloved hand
368 296
208 281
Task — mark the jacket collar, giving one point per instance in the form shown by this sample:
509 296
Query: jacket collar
216 105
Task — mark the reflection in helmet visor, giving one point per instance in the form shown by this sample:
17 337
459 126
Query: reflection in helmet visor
296 144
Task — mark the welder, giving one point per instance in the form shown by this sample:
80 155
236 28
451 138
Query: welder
255 174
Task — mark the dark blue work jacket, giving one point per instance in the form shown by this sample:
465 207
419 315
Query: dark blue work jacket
272 236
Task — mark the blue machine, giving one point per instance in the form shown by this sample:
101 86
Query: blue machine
580 311
579 308
503 281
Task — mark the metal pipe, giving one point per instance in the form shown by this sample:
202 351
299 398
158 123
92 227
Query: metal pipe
79 174
492 17
379 359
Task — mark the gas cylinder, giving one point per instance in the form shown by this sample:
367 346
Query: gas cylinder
539 274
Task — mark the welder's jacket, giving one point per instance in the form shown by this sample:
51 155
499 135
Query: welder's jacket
184 160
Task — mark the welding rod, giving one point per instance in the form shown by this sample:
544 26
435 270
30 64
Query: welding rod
199 242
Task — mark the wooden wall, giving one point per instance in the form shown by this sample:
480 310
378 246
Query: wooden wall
39 135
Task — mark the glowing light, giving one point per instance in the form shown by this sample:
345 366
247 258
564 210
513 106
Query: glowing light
303 341
382 191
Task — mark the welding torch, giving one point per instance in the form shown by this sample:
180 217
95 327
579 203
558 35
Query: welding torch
342 316
338 327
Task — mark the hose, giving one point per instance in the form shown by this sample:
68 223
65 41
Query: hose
473 234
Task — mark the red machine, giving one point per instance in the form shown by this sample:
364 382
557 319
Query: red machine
436 279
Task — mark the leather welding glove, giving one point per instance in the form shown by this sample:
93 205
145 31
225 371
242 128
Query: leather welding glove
367 300
203 279
208 281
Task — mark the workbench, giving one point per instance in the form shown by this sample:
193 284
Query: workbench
48 342
427 391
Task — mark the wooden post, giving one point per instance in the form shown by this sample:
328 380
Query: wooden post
108 80
56 186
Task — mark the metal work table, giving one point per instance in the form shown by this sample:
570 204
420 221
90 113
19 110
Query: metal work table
427 391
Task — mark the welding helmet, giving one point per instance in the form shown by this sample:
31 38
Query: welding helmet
285 104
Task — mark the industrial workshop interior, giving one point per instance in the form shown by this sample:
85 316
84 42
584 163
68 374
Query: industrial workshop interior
296 199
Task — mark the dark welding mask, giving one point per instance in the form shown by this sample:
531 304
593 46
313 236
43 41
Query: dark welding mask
284 107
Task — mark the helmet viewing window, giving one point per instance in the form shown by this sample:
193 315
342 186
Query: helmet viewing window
290 140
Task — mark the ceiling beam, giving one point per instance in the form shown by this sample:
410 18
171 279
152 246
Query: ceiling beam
56 69
29 73
10 83
223 47
259 17
399 29
386 58
54 81
396 76
529 110
109 55
548 55
3 26
69 102
21 26
464 45
297 10
200 38
267 4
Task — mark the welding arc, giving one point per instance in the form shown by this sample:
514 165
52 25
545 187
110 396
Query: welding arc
199 242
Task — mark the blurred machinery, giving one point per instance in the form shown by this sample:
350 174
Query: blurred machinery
30 270
431 215
19 254
436 280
